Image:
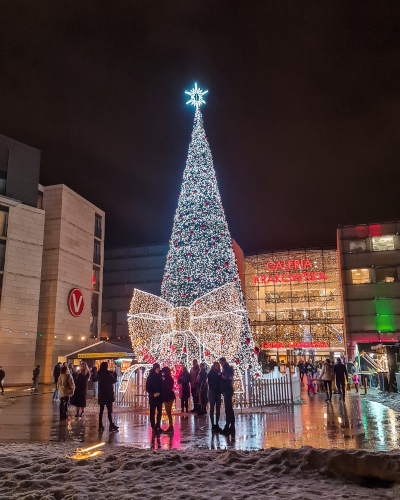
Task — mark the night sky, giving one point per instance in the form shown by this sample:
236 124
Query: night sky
302 114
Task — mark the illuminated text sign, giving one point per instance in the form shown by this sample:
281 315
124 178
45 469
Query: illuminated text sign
293 345
287 265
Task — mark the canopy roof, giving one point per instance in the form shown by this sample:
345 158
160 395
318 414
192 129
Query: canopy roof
103 348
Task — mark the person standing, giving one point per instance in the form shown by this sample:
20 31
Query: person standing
168 395
341 375
81 383
300 366
214 395
184 382
95 381
194 372
327 376
56 374
66 387
36 373
355 374
2 377
106 398
154 388
227 393
202 389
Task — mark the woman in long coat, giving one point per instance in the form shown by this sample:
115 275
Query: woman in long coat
184 381
81 383
106 398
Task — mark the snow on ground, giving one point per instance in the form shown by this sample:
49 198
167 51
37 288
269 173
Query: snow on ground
6 401
390 400
45 472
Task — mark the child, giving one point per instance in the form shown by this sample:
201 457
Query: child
355 380
310 385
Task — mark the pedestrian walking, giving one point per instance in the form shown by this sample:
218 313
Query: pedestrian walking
355 375
95 381
341 375
184 389
154 388
66 387
168 395
214 395
106 397
227 393
81 383
327 376
36 373
193 385
56 374
202 389
300 366
2 377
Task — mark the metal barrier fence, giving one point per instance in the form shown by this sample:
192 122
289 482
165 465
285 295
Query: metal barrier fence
257 392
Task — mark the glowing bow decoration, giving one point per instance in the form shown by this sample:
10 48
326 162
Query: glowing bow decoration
206 330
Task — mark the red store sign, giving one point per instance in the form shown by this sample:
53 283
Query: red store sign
76 302
293 345
286 265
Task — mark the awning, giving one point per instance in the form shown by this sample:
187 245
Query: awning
102 350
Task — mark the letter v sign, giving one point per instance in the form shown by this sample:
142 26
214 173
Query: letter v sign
76 302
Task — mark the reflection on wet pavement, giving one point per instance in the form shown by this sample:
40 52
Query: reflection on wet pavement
357 425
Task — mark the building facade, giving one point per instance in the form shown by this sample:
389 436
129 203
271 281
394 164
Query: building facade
294 302
127 268
73 254
21 246
369 257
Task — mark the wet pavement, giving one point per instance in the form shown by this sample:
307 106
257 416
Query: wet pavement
359 424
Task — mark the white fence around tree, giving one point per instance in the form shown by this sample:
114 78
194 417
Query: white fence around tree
274 389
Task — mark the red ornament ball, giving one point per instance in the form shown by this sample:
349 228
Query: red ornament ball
247 340
257 350
237 361
184 350
180 269
184 295
226 264
207 353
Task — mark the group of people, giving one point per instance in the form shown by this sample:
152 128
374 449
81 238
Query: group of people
204 387
327 372
71 389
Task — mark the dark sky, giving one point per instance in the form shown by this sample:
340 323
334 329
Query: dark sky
302 115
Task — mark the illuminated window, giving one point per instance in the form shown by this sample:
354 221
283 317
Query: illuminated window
95 279
358 245
360 276
387 274
380 243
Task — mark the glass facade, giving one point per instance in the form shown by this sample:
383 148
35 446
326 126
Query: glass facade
294 298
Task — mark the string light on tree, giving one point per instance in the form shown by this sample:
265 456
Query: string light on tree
200 271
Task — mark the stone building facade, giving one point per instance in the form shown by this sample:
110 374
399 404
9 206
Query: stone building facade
73 253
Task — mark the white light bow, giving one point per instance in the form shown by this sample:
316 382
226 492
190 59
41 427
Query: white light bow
206 330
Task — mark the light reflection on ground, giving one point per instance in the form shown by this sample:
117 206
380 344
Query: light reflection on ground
357 425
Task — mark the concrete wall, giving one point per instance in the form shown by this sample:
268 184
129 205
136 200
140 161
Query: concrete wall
127 268
67 263
20 294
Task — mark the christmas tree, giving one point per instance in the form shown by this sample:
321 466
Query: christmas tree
201 257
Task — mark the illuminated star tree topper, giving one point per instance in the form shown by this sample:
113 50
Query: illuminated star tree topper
196 96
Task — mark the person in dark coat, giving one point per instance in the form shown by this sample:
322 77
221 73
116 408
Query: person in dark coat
2 377
227 392
184 381
301 368
95 381
81 383
341 375
168 395
154 388
193 386
214 395
202 389
107 379
36 373
56 374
